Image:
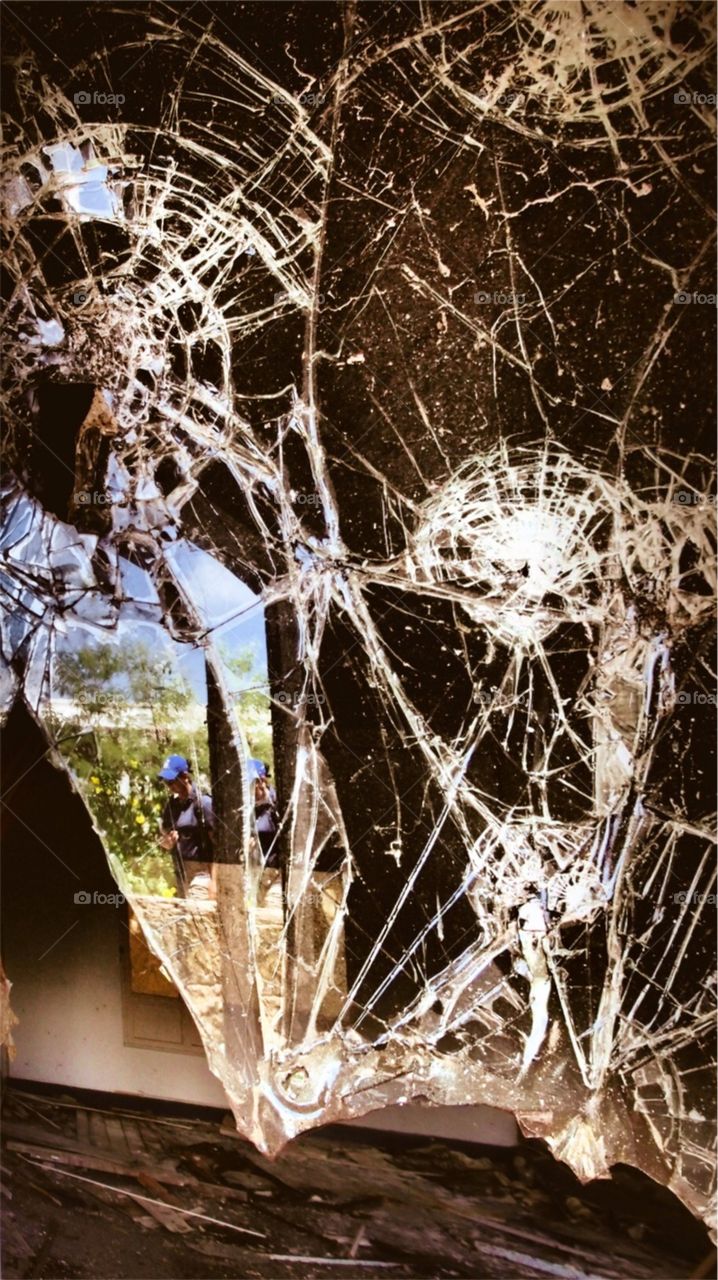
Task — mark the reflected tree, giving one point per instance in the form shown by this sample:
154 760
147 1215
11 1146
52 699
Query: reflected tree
105 681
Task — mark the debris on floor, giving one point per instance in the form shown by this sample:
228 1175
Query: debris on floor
119 1190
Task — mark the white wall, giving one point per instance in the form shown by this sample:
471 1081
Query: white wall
68 1000
64 961
69 1005
462 1124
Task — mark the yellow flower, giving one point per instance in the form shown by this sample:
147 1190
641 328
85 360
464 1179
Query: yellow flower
95 781
140 819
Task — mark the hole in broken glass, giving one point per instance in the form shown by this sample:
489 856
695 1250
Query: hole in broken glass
129 703
512 863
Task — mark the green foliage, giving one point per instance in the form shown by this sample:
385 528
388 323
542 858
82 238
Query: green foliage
129 708
127 809
86 676
106 681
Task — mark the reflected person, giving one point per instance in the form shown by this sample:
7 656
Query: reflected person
188 831
265 811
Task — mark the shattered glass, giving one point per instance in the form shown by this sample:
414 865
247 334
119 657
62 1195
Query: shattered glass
380 332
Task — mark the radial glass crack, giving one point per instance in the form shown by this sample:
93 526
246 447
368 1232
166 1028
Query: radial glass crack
384 332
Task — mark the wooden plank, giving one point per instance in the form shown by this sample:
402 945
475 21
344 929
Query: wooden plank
221 1192
116 1134
37 1137
168 1218
34 1133
34 1110
99 1136
101 1160
156 1188
185 1123
189 1213
133 1138
83 1127
128 1207
329 1262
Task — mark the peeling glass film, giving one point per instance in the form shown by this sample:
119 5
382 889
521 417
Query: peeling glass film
362 461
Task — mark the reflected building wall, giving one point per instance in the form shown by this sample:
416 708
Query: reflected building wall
78 1024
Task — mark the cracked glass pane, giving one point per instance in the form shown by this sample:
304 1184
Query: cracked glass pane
361 483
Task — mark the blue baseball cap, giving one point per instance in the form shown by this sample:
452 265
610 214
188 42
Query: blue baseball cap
173 767
256 768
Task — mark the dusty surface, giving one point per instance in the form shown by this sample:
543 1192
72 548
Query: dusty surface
337 1202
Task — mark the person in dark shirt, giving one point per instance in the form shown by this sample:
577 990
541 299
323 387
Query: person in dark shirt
188 826
265 811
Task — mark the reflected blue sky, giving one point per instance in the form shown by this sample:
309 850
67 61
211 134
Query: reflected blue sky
232 613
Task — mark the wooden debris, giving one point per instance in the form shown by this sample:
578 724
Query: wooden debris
98 1132
127 1207
330 1262
218 1249
434 1210
248 1180
524 1264
133 1137
27 1106
165 1215
151 1184
222 1192
98 1162
36 1186
83 1127
91 1159
190 1213
356 1242
116 1135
